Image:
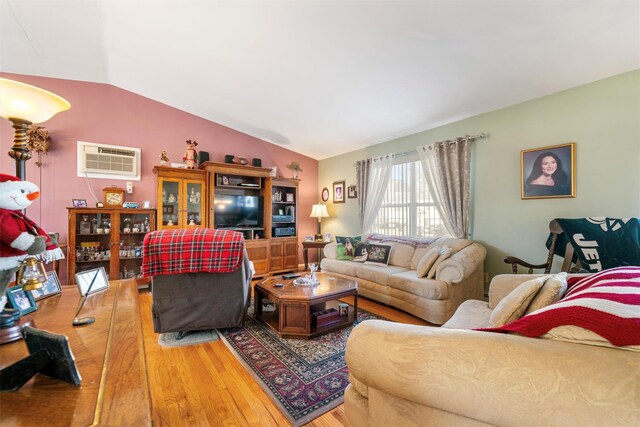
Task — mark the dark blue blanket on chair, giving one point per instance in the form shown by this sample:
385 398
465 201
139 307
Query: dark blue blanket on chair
600 243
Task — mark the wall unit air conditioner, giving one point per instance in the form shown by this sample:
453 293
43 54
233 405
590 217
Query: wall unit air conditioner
108 161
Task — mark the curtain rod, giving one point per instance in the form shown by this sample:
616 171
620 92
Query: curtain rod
408 153
472 138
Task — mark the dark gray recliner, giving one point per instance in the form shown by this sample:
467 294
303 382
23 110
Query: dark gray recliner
200 301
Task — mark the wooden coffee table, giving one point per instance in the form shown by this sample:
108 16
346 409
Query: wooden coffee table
296 311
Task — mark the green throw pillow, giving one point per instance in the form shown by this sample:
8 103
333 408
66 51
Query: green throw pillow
346 247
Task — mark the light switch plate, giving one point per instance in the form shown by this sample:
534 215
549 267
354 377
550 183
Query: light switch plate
129 187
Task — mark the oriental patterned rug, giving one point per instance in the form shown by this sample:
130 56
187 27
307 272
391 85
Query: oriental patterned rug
305 378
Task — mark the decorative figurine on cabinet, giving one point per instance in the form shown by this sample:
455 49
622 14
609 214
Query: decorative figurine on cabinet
190 156
164 159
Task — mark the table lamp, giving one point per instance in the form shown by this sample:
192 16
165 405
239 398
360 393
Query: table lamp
319 211
23 105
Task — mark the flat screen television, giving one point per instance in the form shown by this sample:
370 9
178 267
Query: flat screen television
236 211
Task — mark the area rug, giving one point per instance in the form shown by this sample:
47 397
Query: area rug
305 378
170 339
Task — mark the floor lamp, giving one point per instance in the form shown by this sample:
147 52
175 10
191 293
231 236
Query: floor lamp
23 105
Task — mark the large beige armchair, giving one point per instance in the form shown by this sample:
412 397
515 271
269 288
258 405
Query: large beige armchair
407 375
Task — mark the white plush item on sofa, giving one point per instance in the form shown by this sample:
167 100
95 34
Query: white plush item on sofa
552 290
418 375
457 278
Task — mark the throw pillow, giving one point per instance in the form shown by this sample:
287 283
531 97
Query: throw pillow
427 261
346 247
513 306
378 254
605 304
445 252
361 252
552 290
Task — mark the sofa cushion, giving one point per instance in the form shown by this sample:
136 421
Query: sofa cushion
378 254
338 266
552 290
427 261
513 306
427 288
445 252
606 303
456 246
376 273
346 247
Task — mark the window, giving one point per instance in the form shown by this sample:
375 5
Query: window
407 208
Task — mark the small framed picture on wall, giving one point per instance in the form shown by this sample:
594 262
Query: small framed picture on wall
338 192
351 192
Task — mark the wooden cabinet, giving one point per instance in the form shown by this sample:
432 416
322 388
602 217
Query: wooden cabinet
283 254
111 238
181 197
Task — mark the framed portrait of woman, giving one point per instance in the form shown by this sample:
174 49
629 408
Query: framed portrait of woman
548 172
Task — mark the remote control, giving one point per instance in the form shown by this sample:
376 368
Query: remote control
279 285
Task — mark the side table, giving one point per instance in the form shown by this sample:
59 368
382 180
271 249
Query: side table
305 249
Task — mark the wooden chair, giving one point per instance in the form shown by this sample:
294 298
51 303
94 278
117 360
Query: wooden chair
555 230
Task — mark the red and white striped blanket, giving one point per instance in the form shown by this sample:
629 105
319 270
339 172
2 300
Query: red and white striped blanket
607 303
192 250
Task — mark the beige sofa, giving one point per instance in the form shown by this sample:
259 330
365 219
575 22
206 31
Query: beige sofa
407 375
458 278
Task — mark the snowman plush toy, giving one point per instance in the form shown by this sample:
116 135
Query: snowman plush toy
19 236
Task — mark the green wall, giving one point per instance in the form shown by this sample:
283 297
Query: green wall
602 118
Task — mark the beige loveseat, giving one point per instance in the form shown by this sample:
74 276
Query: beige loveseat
407 375
457 278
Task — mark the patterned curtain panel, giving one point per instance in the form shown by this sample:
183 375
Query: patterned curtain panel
362 186
451 181
379 176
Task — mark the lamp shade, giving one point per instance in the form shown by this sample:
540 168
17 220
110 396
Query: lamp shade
319 211
26 102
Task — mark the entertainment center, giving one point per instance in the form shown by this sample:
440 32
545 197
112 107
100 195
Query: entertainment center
236 197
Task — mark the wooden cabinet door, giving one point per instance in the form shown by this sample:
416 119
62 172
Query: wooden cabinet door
169 195
258 252
290 254
192 206
276 258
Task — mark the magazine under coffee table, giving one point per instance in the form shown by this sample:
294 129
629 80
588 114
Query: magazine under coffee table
300 311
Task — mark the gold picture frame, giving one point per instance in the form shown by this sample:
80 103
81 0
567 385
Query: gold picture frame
548 172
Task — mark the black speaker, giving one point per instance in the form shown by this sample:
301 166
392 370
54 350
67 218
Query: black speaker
228 158
257 162
203 156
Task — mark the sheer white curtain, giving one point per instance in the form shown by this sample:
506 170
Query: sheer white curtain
379 176
430 168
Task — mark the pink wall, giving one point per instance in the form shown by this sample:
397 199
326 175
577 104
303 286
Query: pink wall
106 114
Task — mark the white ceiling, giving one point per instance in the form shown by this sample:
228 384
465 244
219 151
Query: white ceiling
325 77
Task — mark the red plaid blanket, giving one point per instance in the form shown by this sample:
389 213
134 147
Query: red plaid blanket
192 250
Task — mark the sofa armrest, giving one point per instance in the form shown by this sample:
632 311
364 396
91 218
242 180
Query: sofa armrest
496 378
330 250
461 264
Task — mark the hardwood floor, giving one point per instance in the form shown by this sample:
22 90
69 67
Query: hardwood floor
206 385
